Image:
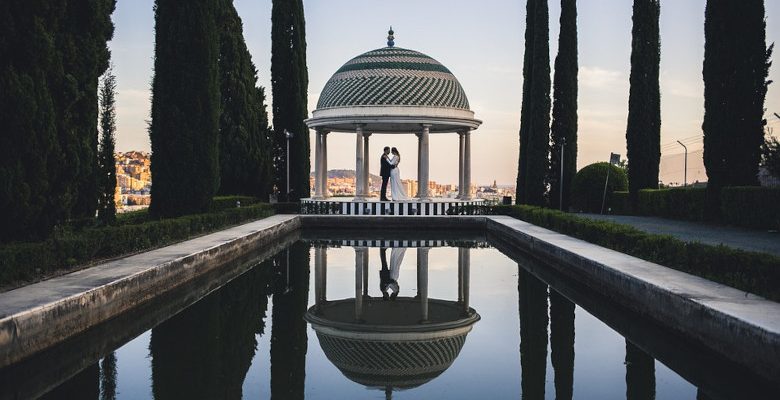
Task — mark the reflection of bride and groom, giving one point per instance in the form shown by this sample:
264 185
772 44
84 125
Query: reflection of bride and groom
391 174
388 278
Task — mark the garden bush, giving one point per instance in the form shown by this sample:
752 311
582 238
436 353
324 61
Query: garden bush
751 206
588 186
676 203
67 248
752 272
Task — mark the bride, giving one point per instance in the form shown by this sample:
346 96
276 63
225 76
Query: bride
397 190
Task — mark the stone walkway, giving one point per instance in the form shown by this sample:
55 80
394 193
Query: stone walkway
740 238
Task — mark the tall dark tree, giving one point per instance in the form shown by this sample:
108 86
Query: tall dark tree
736 67
564 113
51 55
185 107
108 377
81 42
562 344
289 83
106 162
535 115
244 150
533 334
643 134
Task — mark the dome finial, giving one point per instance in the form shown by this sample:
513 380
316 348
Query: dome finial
390 37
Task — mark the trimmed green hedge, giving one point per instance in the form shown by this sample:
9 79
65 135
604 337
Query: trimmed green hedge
752 272
750 206
676 203
26 261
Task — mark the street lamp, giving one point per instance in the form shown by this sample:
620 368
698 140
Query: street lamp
560 197
685 181
288 135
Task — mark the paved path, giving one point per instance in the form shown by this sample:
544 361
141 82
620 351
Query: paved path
740 238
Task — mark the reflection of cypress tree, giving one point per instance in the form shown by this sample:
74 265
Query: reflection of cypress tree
640 374
108 377
206 350
562 344
84 385
288 334
533 334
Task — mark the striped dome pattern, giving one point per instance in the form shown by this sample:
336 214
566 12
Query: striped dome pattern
393 76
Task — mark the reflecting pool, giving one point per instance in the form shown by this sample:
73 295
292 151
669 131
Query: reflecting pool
404 319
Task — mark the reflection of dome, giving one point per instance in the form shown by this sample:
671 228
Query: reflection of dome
393 76
390 348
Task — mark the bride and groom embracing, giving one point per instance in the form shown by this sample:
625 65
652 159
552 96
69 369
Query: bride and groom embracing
391 174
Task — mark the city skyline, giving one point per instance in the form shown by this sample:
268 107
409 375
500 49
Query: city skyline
483 46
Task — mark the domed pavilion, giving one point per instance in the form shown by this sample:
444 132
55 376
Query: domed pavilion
392 91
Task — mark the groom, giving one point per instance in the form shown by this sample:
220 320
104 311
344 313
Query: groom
384 172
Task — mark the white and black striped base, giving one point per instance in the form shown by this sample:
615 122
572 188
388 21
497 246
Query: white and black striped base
348 206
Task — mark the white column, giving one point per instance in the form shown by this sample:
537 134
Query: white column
461 165
467 167
365 273
359 163
366 187
317 164
424 164
324 165
422 281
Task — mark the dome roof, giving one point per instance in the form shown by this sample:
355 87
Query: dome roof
393 76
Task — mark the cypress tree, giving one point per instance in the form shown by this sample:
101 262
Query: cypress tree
535 115
736 66
244 150
81 44
106 162
27 117
643 134
185 107
289 83
564 114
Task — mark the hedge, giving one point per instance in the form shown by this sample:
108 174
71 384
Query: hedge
752 272
675 203
66 249
587 190
751 206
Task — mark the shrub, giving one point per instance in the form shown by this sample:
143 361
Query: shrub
66 249
752 272
676 203
751 206
588 186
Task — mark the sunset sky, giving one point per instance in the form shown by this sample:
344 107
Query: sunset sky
481 42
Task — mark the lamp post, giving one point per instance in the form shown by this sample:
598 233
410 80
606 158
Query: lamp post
685 174
288 135
560 199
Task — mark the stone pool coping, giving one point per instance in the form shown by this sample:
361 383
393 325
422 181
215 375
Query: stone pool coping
741 327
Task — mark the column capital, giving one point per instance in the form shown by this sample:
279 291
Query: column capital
426 126
367 134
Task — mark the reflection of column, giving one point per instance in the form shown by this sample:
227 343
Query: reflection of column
320 274
533 334
464 267
365 273
467 166
318 164
422 280
359 267
461 166
640 374
359 162
324 165
562 344
424 163
366 186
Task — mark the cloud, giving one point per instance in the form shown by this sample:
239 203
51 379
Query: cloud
600 78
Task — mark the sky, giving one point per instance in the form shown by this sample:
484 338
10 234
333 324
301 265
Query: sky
482 43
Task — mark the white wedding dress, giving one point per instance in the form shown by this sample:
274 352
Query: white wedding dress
397 190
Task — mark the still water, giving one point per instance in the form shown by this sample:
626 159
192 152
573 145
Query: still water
315 322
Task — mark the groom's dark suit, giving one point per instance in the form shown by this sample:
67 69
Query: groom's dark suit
384 172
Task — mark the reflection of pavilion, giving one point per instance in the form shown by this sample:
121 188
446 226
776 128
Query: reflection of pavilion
398 344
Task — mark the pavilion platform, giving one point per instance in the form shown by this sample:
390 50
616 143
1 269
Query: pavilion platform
372 206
